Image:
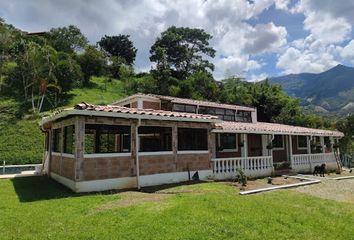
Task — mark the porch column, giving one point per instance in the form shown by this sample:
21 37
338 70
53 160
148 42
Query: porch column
322 144
331 140
244 150
79 147
175 143
265 142
290 148
308 144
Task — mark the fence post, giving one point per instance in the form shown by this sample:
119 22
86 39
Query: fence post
3 167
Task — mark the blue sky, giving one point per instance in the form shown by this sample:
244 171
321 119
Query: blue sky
253 39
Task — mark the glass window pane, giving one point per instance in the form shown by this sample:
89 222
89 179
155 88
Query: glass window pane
192 139
154 139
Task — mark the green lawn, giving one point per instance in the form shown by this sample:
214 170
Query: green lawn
38 208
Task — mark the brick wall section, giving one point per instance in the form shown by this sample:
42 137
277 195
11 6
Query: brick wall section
105 168
68 168
63 166
151 105
55 164
156 164
193 162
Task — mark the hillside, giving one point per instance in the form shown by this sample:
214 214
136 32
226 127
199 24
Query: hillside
21 141
329 92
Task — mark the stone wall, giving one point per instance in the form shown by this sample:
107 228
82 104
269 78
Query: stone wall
106 168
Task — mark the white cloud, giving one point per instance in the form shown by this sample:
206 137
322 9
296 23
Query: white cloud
258 77
329 24
348 51
234 39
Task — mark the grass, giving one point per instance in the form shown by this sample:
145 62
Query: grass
21 141
101 92
39 208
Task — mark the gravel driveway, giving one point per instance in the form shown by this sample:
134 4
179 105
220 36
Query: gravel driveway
338 190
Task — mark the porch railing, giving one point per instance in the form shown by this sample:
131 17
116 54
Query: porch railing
252 166
306 162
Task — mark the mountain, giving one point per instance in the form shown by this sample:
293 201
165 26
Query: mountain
330 92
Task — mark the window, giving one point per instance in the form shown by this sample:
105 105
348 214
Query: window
192 139
278 142
184 108
69 139
227 142
243 116
301 142
57 140
155 139
107 138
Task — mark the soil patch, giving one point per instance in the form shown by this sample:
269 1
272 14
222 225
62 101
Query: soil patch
263 183
129 199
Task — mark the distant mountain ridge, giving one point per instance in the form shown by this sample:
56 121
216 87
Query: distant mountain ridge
330 92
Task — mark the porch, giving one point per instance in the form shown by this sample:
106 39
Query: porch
261 154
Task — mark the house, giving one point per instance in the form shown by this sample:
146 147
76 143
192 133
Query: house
146 140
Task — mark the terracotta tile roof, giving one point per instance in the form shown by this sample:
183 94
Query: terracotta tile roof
145 112
262 127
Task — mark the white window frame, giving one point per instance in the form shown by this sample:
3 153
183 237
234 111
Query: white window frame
297 143
283 143
228 149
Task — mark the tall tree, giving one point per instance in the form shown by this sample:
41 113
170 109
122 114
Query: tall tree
67 39
120 47
182 50
92 62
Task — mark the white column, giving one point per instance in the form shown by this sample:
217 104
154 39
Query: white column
322 143
290 148
265 142
308 144
331 139
244 150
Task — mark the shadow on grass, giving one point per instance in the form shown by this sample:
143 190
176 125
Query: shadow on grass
154 189
37 188
29 189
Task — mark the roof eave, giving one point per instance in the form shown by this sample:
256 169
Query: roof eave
75 112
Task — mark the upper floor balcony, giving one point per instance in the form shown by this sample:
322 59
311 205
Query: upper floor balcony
226 112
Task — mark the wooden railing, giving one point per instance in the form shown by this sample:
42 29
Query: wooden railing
306 162
251 166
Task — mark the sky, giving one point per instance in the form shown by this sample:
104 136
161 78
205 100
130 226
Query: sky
253 39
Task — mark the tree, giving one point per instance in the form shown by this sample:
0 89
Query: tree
119 46
347 127
92 62
67 39
182 50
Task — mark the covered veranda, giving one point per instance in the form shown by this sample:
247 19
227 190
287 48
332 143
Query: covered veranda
258 149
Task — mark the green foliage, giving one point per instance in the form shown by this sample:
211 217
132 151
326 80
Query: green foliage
181 50
21 142
347 127
92 63
119 46
67 39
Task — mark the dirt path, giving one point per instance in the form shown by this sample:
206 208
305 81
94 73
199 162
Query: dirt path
342 190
